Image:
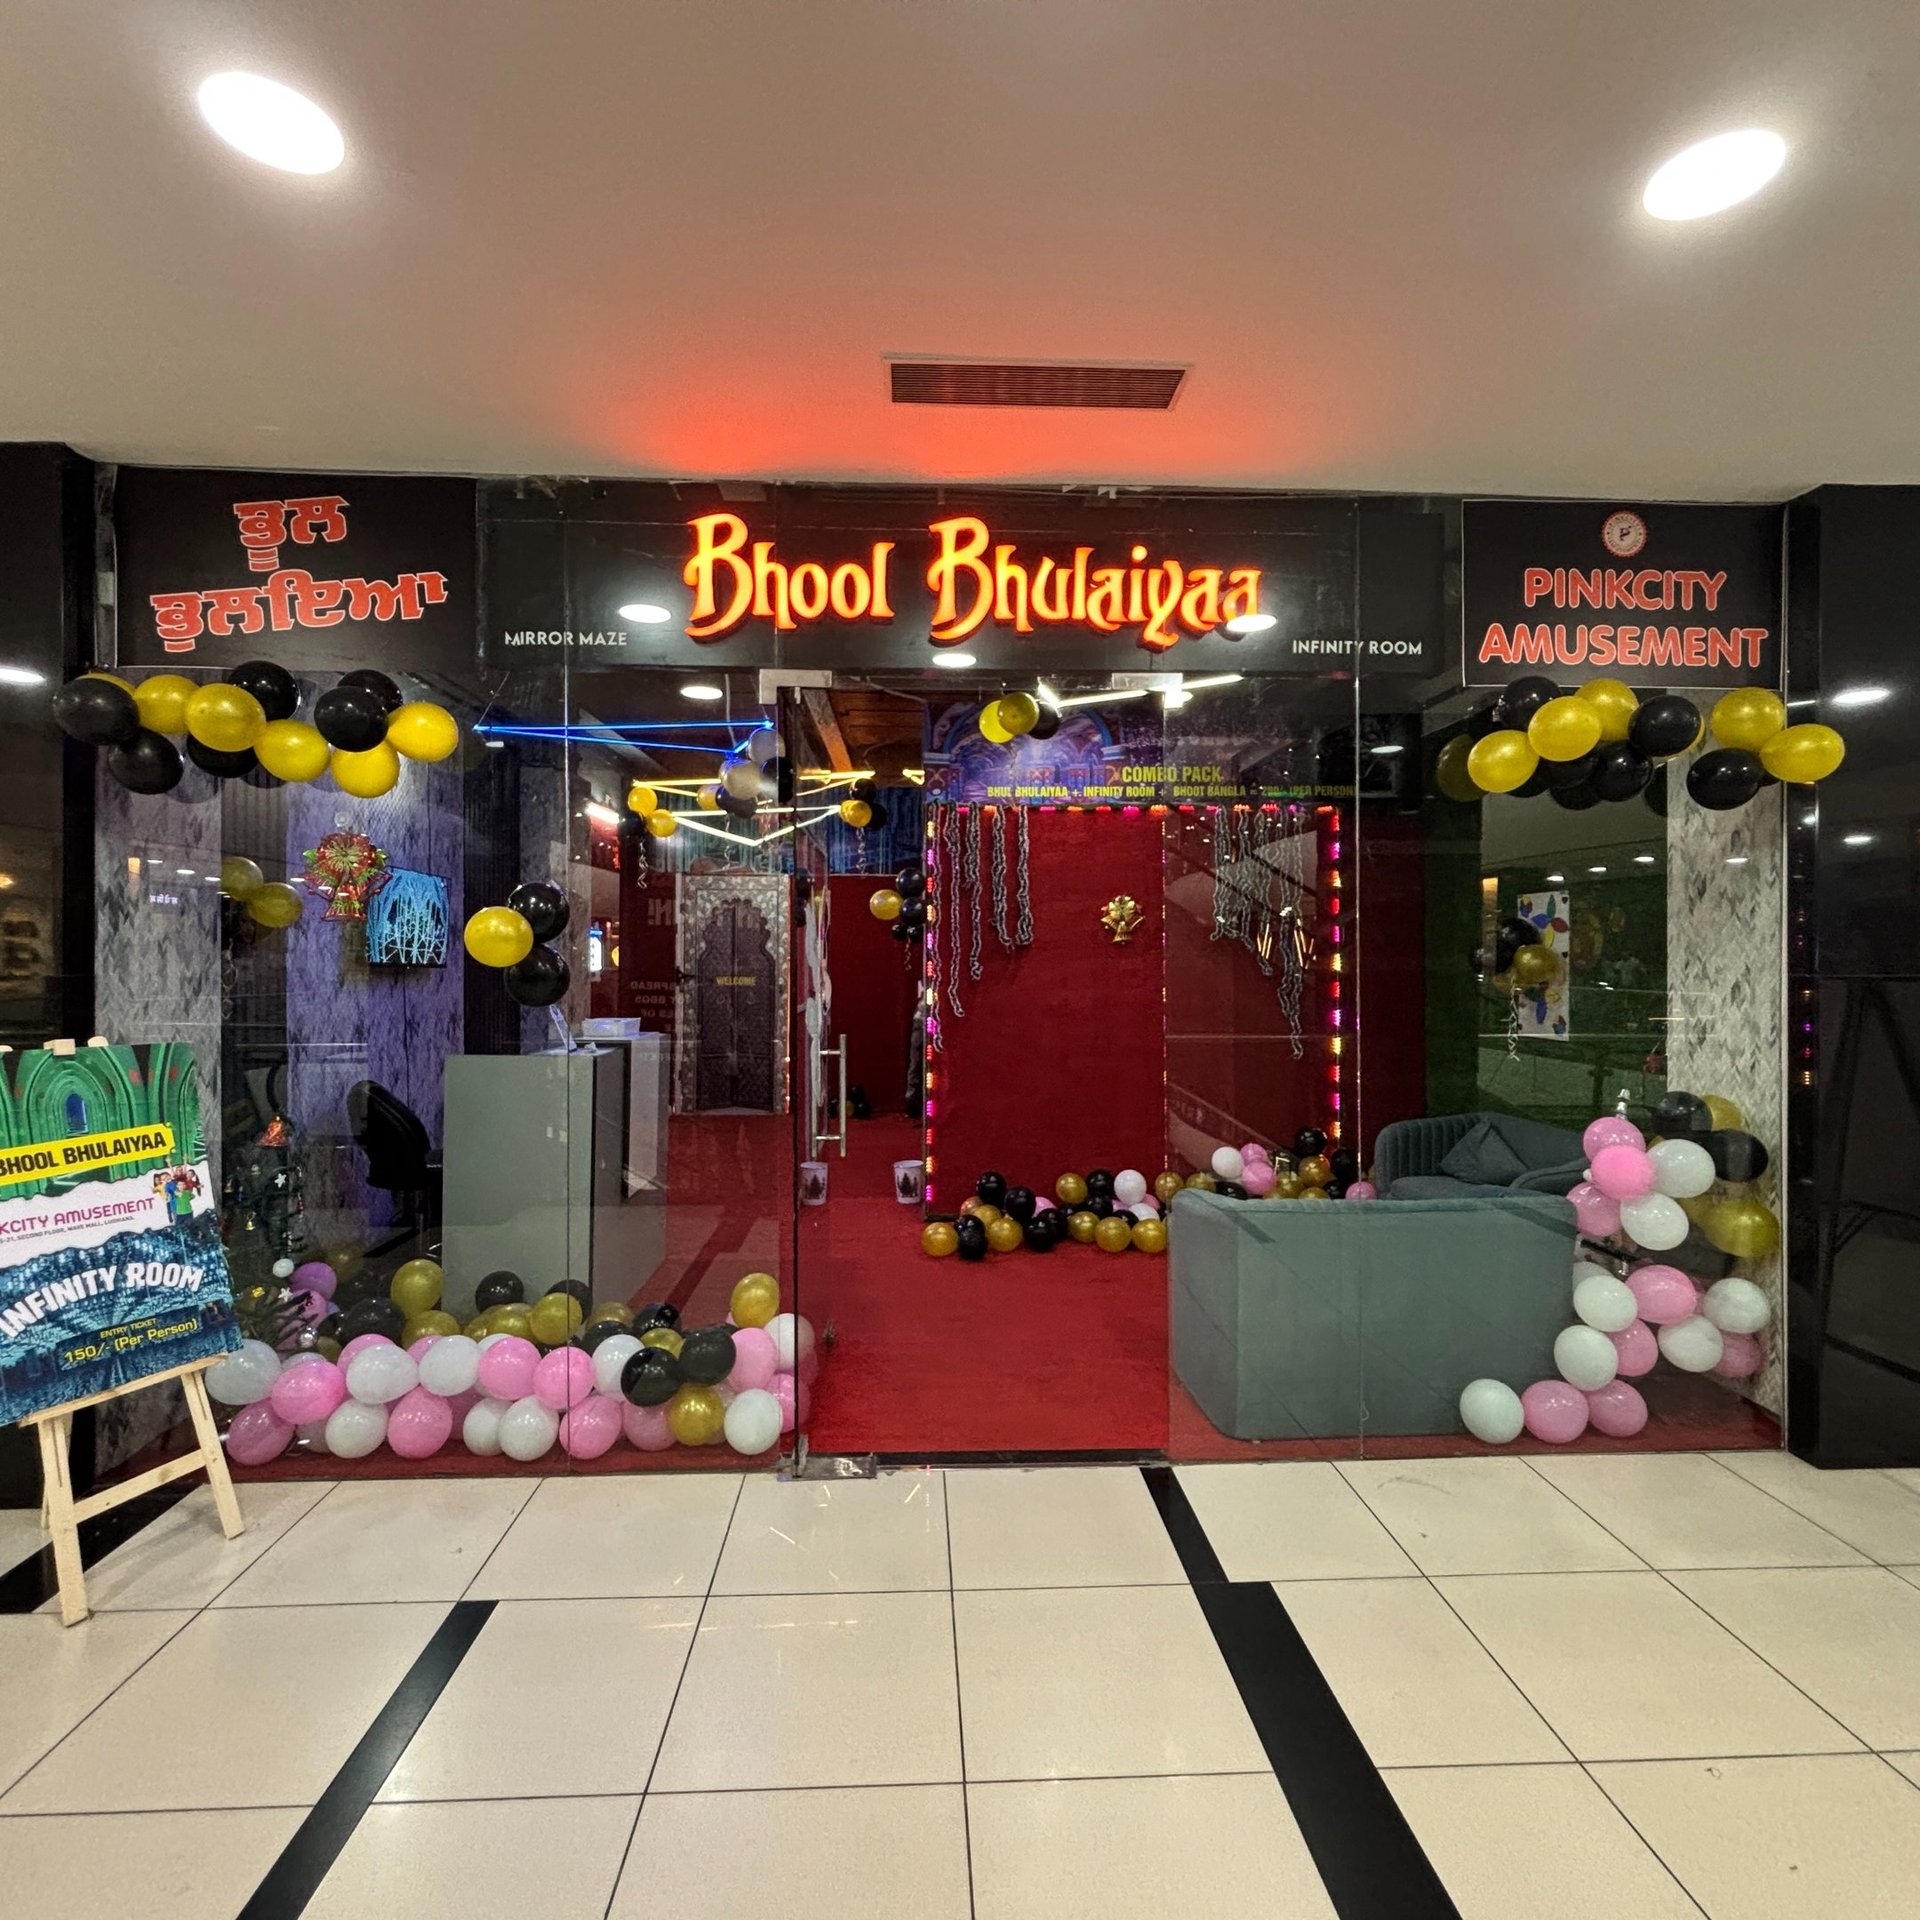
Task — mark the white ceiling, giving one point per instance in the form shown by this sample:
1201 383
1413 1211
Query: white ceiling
1399 242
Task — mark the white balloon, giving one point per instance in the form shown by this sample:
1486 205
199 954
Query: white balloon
449 1365
488 1340
763 744
792 1339
741 778
1130 1187
1694 1346
1604 1303
1653 1221
1144 1210
527 1429
1585 1357
247 1374
1737 1306
354 1429
610 1359
377 1375
1681 1168
753 1421
480 1430
283 1268
1490 1410
1228 1163
314 1433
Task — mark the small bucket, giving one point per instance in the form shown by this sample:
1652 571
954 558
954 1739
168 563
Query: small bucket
909 1182
813 1183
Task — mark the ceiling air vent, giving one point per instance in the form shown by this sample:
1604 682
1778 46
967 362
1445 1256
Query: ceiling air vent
992 383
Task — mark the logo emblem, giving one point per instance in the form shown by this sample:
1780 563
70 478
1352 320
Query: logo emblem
1623 534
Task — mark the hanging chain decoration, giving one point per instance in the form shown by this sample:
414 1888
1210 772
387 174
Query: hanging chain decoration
1260 894
1023 887
947 881
974 969
1000 930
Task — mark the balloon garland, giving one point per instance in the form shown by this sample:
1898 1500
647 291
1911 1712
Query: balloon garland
513 939
903 905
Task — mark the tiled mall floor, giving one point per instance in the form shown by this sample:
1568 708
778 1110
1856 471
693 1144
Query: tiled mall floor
1638 1686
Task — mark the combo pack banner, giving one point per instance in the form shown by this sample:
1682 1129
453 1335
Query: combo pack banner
1657 596
110 1261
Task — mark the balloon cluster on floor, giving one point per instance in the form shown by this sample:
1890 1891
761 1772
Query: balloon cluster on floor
518 1378
513 940
902 906
1603 743
362 728
1313 1170
1111 1211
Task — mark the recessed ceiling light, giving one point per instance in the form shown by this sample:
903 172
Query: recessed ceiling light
645 613
1596 869
271 123
1643 860
1736 859
1862 696
1858 839
1174 697
957 662
1555 879
1252 622
702 690
1389 746
21 677
1714 174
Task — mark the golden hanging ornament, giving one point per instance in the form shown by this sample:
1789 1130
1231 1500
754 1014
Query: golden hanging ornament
1122 917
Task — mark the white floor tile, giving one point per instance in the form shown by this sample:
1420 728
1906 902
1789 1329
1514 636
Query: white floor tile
479 1860
1867 1510
1624 1667
1224 1846
383 1540
52 1677
553 1697
816 1690
1908 1477
1909 1574
1418 1688
613 1536
160 1866
837 1536
1825 1838
1848 1636
819 1853
20 1536
1908 1763
1483 1516
1517 1843
252 1708
1096 1680
1290 1520
1057 1527
1686 1510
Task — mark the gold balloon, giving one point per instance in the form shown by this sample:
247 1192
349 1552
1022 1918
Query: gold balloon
662 825
228 719
479 1326
642 799
696 1416
292 750
1004 1234
1747 717
1017 713
1083 1226
990 727
665 1338
100 673
1202 1182
1315 1170
1502 761
423 731
1742 1227
708 799
1114 1234
610 1313
1287 1187
1563 729
1450 773
275 905
327 1346
1166 1185
1069 1189
431 1322
515 1319
555 1318
1314 1193
498 937
938 1238
885 904
1536 966
366 775
1150 1236
417 1286
1801 755
856 813
240 878
1615 702
1724 1112
162 699
984 1211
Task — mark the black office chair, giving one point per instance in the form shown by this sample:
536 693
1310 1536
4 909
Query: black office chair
400 1158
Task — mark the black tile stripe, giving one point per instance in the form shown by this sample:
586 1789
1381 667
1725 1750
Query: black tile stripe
307 1858
34 1581
1367 1856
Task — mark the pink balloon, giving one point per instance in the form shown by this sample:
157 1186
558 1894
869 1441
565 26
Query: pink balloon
418 1424
795 1400
1638 1349
1617 1409
647 1428
312 1307
1555 1412
563 1378
755 1359
809 1368
1665 1294
1361 1190
1622 1173
420 1346
307 1391
588 1430
1611 1130
1741 1356
360 1344
1259 1178
1597 1214
315 1277
258 1435
1253 1150
506 1368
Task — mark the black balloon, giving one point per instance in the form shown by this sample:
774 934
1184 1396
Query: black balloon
972 1238
1309 1141
880 816
1665 725
590 1337
1535 784
908 882
1100 1205
650 1378
1345 1163
1726 778
862 790
904 930
781 773
742 807
269 683
501 1288
655 1313
1656 793
350 718
540 979
1736 1155
542 906
1570 773
1483 721
223 766
1576 799
1039 1236
992 1188
329 1328
1524 698
1021 1203
373 1316
914 912
1100 1181
1621 770
707 1356
577 1288
1521 933
1681 1116
1047 725
148 763
97 712
1231 1190
372 680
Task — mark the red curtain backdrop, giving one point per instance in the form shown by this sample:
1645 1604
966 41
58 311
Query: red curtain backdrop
1059 1062
874 977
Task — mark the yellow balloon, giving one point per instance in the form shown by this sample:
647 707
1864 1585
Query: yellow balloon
423 731
1070 1190
708 799
938 1238
982 1210
696 1416
1150 1236
556 1318
1202 1182
1614 701
665 1338
885 904
1450 773
1744 1228
662 825
990 727
100 673
1166 1185
420 1325
856 813
516 1320
1017 713
227 719
275 905
1724 1112
1114 1234
1800 755
498 937
240 878
1083 1226
1536 966
1502 761
614 1313
1747 717
162 699
366 775
416 1286
479 1326
642 799
755 1299
1004 1235
292 750
1564 728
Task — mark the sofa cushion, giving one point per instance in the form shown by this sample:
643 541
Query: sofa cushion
1441 1186
1482 1157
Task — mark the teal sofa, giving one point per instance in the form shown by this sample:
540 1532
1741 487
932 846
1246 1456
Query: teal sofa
1456 1155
